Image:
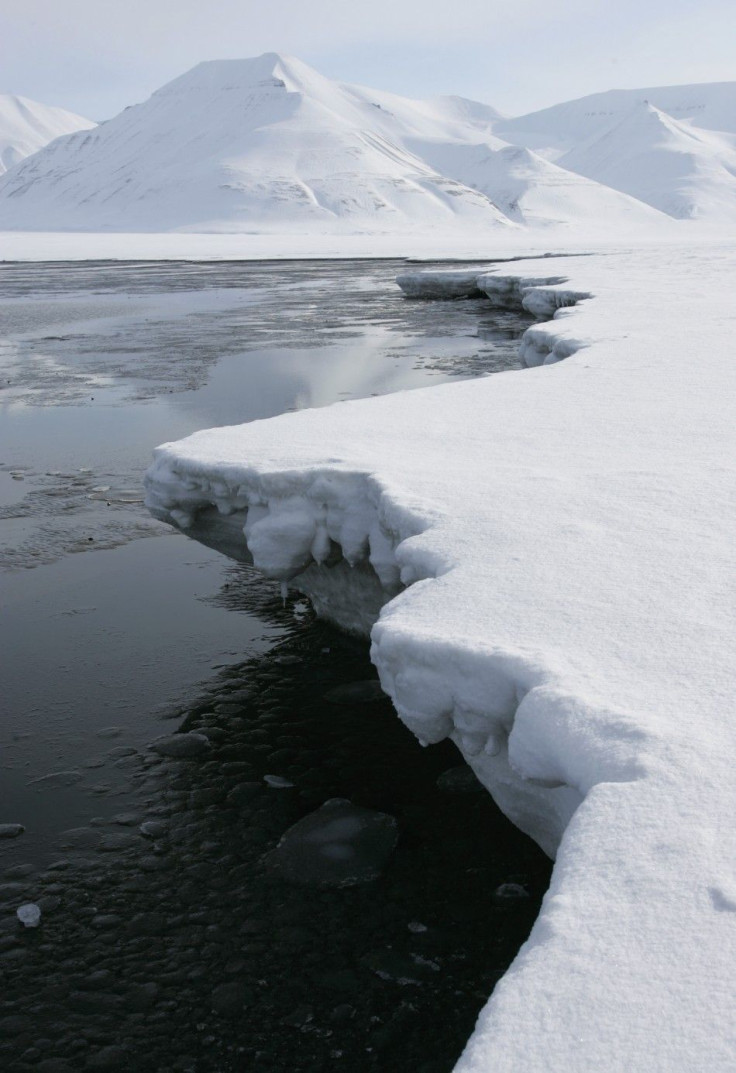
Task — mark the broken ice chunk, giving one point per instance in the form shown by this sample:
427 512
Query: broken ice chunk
29 915
278 782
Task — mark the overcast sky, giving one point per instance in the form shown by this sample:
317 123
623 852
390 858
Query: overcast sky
97 56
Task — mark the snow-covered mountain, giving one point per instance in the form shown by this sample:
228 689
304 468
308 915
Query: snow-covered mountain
674 166
27 126
531 190
261 144
554 131
269 144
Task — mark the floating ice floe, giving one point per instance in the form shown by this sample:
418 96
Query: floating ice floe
544 560
29 915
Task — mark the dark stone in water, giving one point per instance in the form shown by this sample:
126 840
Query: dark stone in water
338 845
118 840
460 780
112 1057
509 893
243 793
57 779
299 1017
153 829
48 903
230 998
398 967
126 819
181 746
367 692
18 871
81 838
11 830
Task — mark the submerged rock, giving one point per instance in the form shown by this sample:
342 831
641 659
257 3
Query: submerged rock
459 780
278 782
399 967
153 829
57 780
510 892
338 845
367 692
229 999
11 830
181 746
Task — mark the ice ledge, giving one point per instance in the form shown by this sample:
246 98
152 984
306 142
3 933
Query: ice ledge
340 538
544 297
554 548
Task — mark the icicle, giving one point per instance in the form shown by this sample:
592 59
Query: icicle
284 593
493 745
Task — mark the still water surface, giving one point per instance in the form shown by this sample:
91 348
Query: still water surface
180 951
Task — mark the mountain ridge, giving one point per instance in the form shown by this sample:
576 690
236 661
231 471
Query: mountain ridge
268 144
683 170
27 126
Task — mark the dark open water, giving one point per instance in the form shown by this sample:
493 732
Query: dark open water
177 949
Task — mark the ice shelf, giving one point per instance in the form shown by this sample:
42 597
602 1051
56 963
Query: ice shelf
545 562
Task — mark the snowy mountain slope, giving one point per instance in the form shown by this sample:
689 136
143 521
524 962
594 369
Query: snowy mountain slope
553 131
531 190
268 144
244 145
528 189
27 126
677 168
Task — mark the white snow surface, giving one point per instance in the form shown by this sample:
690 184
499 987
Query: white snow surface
162 246
270 145
27 126
554 551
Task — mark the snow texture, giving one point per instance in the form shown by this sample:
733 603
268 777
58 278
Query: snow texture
270 145
709 106
27 126
673 166
547 560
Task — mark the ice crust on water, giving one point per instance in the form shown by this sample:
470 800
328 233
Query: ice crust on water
546 558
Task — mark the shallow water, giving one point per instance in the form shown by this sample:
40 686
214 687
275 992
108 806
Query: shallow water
180 951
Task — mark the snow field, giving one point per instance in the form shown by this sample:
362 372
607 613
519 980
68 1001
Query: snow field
563 611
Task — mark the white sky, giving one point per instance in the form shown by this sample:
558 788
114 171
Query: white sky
97 56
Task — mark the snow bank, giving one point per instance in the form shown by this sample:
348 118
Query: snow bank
553 553
543 298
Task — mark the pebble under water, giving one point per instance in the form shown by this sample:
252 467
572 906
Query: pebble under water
168 943
180 929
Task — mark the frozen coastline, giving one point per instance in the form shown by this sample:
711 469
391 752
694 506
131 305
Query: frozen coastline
553 551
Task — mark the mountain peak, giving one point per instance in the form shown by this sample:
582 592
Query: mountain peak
670 164
272 69
27 126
